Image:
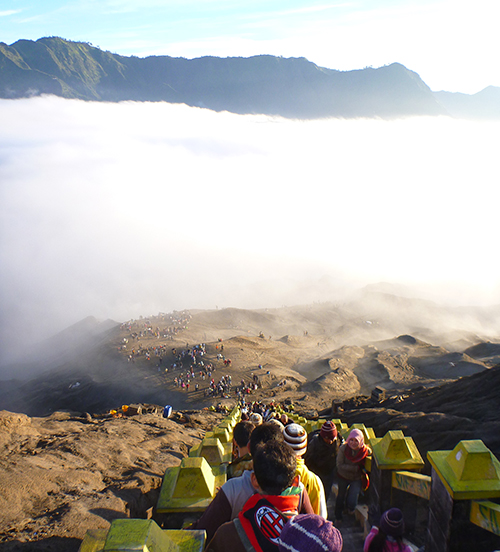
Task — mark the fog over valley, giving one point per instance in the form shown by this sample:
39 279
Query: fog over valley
129 209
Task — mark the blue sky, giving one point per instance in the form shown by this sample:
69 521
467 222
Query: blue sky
452 44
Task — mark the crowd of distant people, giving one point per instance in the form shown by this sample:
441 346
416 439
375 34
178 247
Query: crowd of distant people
188 368
280 478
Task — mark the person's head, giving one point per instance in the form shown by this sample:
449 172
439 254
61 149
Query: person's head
263 433
296 438
274 467
284 419
256 418
310 532
241 434
328 432
276 422
356 439
392 523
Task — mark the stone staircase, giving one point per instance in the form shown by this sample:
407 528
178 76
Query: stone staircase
353 527
187 490
352 534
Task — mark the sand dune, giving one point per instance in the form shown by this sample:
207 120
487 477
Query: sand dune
66 466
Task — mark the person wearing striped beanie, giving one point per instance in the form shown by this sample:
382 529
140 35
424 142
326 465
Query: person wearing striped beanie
310 533
256 418
296 438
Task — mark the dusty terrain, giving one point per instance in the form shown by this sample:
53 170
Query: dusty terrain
63 474
68 466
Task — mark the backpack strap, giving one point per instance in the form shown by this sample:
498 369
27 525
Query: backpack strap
243 536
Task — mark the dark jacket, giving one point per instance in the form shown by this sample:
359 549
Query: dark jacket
320 457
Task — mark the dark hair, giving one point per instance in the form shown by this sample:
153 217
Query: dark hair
274 465
263 433
242 432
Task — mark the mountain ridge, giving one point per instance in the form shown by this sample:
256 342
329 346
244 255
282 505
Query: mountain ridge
264 84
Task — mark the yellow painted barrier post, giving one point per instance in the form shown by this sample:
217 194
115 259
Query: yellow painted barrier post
190 487
368 432
310 426
228 425
313 425
468 472
222 434
391 453
213 451
134 535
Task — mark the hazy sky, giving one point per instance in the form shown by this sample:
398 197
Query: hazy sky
121 210
452 44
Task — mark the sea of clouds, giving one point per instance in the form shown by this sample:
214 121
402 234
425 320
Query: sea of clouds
121 210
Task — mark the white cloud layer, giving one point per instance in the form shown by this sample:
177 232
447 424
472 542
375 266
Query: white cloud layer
118 210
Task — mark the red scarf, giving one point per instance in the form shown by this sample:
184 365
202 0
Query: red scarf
357 456
263 517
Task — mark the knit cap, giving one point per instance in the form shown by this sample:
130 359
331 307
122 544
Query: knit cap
310 532
296 438
392 522
256 418
328 430
358 435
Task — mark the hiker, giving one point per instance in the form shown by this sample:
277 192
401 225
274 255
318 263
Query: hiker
350 472
310 533
241 442
321 454
388 536
232 496
276 422
296 438
256 418
284 419
258 525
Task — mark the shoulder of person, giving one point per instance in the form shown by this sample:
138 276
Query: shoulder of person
313 434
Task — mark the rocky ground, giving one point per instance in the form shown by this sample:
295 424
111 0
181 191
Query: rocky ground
67 465
63 474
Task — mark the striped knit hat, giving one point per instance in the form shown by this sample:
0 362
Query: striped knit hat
310 532
296 438
256 418
329 430
392 522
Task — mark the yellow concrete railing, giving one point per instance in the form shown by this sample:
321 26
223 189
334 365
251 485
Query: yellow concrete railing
486 514
470 471
413 483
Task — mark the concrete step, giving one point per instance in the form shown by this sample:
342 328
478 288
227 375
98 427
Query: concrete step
353 528
352 534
